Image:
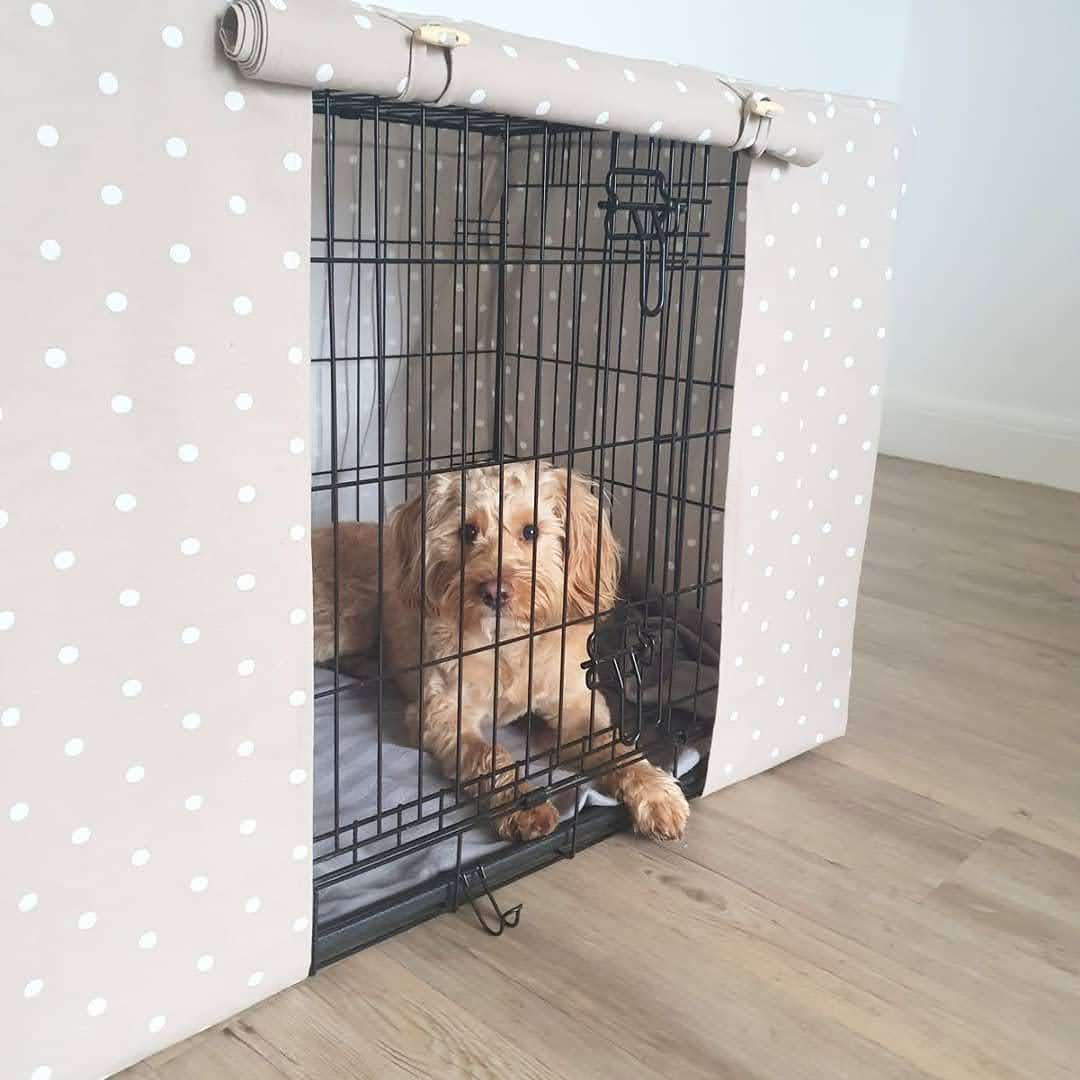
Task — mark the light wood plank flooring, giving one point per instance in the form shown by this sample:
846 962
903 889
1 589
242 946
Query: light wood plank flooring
903 902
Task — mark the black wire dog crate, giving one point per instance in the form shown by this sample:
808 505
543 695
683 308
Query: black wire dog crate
495 301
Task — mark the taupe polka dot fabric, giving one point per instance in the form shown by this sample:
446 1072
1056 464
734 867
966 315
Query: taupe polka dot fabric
155 649
342 45
807 412
155 697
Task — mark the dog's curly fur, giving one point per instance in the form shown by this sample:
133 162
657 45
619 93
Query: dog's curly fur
566 515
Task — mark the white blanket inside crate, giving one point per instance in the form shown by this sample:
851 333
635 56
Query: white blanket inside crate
403 768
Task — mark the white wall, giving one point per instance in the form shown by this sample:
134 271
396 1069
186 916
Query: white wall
985 363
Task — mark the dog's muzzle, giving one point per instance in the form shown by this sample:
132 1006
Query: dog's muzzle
493 595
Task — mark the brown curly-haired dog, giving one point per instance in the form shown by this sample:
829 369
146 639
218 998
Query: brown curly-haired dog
560 526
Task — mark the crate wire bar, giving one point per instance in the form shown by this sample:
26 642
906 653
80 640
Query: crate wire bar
496 290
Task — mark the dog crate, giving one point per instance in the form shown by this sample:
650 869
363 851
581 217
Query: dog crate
521 297
490 293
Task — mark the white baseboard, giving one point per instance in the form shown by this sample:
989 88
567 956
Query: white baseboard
1040 448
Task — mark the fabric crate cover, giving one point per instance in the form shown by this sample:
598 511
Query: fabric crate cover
155 650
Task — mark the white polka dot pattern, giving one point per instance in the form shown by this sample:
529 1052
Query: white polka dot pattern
145 789
804 428
165 493
506 73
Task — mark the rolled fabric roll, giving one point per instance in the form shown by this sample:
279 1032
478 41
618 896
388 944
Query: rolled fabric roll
328 44
243 35
340 45
523 76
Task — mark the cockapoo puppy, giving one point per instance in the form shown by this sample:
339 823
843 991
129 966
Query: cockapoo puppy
555 528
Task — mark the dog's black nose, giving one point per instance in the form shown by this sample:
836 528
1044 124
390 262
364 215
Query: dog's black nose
492 595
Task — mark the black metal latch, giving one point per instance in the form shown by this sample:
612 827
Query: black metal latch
614 663
504 919
651 219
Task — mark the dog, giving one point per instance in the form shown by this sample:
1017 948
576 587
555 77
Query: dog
472 569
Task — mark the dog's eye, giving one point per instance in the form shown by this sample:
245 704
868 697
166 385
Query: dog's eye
468 533
529 532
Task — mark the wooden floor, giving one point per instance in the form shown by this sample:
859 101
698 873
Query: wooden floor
902 902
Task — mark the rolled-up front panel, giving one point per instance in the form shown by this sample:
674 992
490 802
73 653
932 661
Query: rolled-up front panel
340 45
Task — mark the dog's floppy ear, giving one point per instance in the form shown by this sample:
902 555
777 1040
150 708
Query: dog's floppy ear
420 572
589 539
403 528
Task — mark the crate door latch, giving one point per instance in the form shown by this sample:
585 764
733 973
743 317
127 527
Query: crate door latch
650 217
616 658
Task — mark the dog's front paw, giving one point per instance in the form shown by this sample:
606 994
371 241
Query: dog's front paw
658 808
529 824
